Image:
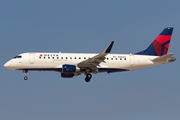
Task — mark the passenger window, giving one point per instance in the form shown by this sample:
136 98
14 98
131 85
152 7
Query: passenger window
120 58
57 57
107 58
39 57
66 57
61 57
84 57
116 58
111 58
44 57
52 57
74 57
48 57
79 57
124 58
70 57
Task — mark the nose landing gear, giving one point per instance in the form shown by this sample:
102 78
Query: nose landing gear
26 73
25 78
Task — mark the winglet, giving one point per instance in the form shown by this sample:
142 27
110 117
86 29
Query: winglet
108 49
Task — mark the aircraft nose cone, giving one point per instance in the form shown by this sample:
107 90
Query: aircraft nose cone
7 65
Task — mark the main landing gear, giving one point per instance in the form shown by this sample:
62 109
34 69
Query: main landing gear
26 73
88 77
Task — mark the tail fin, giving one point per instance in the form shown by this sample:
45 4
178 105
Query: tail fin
160 45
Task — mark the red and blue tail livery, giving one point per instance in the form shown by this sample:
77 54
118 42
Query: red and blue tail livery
160 45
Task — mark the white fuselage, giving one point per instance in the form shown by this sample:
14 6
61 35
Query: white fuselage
54 61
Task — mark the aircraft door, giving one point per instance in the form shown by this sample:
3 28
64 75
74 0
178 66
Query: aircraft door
31 58
131 59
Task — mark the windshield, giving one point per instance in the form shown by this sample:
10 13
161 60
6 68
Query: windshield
18 56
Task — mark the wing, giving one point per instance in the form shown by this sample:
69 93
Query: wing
93 62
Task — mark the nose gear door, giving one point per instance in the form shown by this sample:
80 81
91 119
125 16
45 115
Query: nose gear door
31 58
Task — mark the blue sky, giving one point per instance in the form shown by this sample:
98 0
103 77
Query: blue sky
88 26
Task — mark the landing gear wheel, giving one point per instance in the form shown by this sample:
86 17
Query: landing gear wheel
26 73
88 77
25 78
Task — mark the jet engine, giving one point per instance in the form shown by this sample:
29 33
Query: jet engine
68 70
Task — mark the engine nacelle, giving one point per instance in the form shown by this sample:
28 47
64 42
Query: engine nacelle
68 68
67 75
68 71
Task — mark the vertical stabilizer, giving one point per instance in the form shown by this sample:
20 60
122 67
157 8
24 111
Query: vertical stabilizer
160 45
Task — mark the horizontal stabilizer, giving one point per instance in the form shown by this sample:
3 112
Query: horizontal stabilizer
164 57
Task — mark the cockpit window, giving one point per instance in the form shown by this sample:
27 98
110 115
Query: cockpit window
18 56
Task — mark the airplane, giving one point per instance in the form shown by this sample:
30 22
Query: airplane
74 64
